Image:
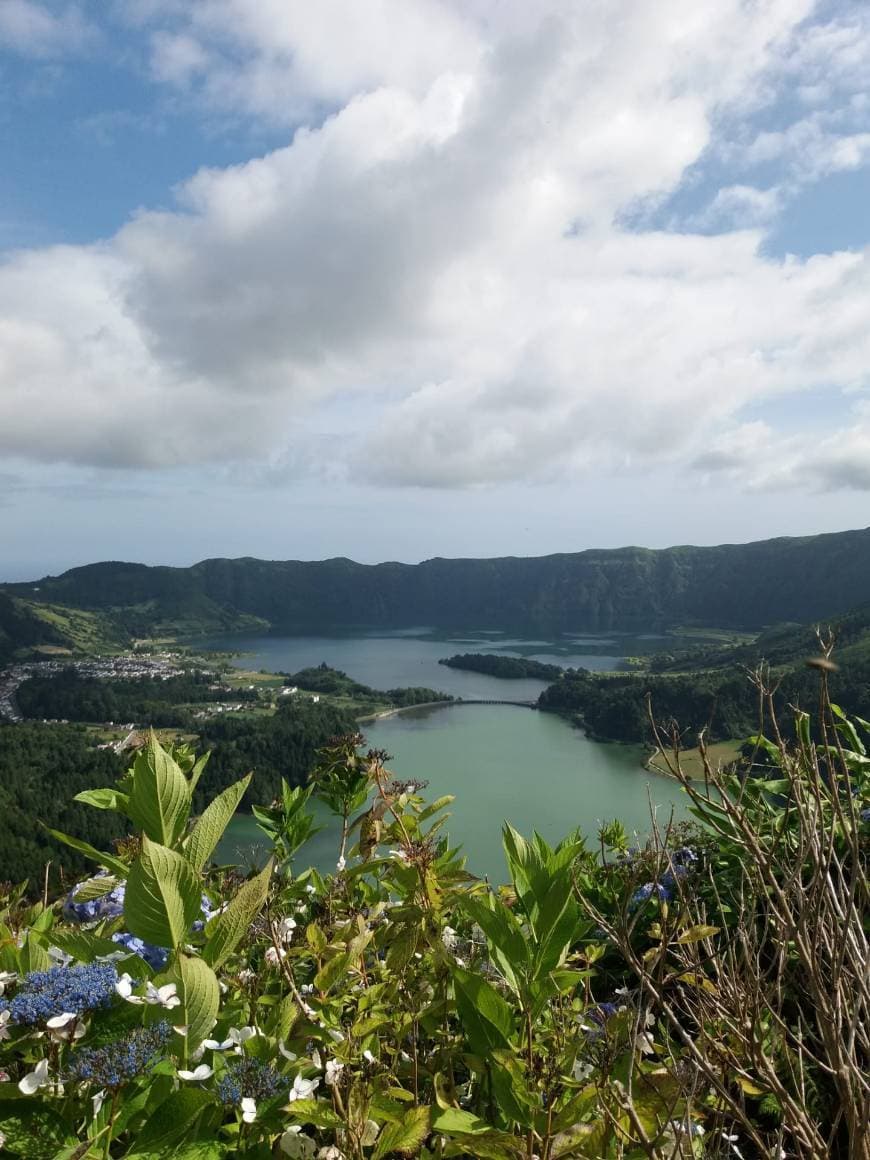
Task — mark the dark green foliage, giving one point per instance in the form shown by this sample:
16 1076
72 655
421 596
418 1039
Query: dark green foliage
725 703
498 665
20 628
276 747
704 994
323 679
41 768
143 700
743 585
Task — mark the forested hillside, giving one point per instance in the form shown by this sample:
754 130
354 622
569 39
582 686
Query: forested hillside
708 687
631 589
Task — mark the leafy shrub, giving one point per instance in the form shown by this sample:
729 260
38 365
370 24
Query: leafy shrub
704 994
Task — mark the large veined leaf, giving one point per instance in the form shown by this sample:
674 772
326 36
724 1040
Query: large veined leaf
210 826
486 1017
33 1129
171 1120
163 897
159 799
200 995
108 860
103 799
555 927
507 946
227 930
405 1137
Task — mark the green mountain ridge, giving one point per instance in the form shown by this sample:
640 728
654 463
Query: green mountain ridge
740 586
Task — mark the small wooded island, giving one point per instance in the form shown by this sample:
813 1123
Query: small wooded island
509 668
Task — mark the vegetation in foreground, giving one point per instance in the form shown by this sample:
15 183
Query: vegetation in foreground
705 995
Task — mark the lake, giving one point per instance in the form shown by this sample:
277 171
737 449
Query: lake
392 660
503 763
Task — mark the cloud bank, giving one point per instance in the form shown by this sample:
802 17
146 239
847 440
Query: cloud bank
442 245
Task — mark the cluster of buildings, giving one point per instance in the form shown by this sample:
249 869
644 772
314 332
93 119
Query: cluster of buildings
120 667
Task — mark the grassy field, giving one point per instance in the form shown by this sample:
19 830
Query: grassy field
86 632
720 753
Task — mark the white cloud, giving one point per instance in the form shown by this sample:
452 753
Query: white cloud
438 240
43 30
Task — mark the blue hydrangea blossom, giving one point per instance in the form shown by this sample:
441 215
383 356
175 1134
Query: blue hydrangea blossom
43 995
118 1062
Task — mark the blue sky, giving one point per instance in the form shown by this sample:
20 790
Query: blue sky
401 278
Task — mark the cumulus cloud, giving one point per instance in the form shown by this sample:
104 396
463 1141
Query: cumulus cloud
440 239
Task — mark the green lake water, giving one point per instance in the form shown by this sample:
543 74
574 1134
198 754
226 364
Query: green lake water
503 763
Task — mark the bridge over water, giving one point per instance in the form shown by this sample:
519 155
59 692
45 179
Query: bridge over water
488 701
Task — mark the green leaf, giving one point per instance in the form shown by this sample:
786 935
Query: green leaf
187 1150
332 971
103 799
34 956
163 897
556 927
315 938
82 945
520 863
159 801
172 1119
696 933
97 887
210 826
454 1120
107 860
507 946
33 1129
316 1112
200 996
486 1017
406 1137
227 930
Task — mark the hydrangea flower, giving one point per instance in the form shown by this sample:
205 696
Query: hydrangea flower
34 1080
207 912
248 1079
165 996
664 892
303 1089
43 995
201 1072
597 1016
116 1063
155 957
109 905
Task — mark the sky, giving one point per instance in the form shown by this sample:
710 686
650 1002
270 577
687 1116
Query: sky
393 279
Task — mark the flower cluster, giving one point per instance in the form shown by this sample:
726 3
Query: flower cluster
594 1020
247 1078
45 995
110 905
155 957
680 863
207 912
116 1063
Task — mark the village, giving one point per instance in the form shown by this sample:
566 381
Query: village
117 667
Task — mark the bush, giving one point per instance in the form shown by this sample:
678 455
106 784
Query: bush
705 994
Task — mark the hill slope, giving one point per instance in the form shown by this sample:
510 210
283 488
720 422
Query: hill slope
730 586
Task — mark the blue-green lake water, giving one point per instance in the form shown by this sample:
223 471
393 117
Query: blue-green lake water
503 763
